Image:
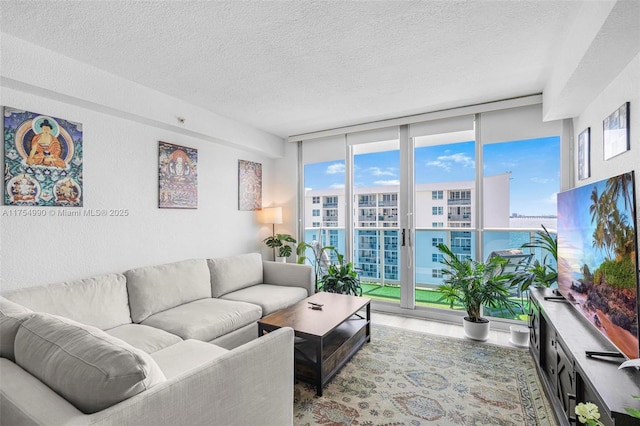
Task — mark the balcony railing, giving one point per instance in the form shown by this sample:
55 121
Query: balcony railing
456 202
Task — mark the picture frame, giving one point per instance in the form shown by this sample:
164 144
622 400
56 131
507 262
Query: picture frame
177 176
615 132
43 160
249 185
584 154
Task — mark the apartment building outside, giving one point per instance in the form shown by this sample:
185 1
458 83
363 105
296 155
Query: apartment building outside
445 212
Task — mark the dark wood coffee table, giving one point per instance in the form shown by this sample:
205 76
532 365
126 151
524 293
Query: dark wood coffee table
327 338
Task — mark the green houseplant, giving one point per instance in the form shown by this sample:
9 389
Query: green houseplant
319 258
475 284
283 244
341 277
536 273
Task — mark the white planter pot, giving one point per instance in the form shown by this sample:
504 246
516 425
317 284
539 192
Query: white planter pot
281 259
519 336
476 330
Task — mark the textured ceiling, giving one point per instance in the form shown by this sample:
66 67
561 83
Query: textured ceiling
300 66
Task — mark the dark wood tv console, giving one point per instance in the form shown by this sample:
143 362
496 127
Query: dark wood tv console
559 341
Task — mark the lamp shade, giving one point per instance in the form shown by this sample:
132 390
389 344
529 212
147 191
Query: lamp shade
272 215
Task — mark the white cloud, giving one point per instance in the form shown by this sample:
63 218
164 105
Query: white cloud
440 164
387 182
337 185
335 169
377 171
552 199
447 161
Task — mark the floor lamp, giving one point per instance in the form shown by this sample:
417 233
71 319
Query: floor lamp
273 216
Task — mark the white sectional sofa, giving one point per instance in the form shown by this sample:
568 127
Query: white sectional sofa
172 344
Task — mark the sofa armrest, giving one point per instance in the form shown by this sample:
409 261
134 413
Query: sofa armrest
250 385
289 274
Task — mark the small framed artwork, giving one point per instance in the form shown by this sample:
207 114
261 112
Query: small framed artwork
177 176
249 185
615 135
584 154
43 158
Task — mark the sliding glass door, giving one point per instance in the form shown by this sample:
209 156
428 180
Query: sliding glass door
376 218
386 198
445 212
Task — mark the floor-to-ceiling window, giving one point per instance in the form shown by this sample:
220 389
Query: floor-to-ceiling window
457 180
521 171
324 203
376 190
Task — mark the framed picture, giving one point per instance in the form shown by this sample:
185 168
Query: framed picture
177 176
249 185
43 160
615 135
584 154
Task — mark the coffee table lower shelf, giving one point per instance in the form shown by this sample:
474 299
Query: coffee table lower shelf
318 359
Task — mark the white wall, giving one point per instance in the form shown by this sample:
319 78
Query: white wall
121 172
624 88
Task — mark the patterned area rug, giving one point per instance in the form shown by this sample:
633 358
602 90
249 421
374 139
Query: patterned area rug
409 378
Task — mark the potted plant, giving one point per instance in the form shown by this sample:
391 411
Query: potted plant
320 260
539 274
341 277
282 242
475 284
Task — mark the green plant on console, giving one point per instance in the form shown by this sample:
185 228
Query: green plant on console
634 412
474 284
539 274
282 242
341 278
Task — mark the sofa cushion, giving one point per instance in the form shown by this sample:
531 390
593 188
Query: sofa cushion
156 288
185 356
271 298
11 316
83 364
205 319
289 274
100 301
234 273
148 339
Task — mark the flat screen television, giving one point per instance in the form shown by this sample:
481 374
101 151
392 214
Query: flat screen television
597 270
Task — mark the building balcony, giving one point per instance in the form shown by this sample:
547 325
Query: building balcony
366 203
388 203
465 202
329 205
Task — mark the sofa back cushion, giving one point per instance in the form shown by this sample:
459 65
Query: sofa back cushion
234 273
86 366
11 316
100 301
154 289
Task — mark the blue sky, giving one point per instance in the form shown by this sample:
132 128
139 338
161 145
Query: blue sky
534 165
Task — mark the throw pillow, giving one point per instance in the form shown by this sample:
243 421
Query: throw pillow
86 366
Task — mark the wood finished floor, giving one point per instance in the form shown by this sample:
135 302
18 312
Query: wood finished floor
434 327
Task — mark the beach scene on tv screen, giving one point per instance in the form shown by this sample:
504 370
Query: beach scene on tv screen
597 257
